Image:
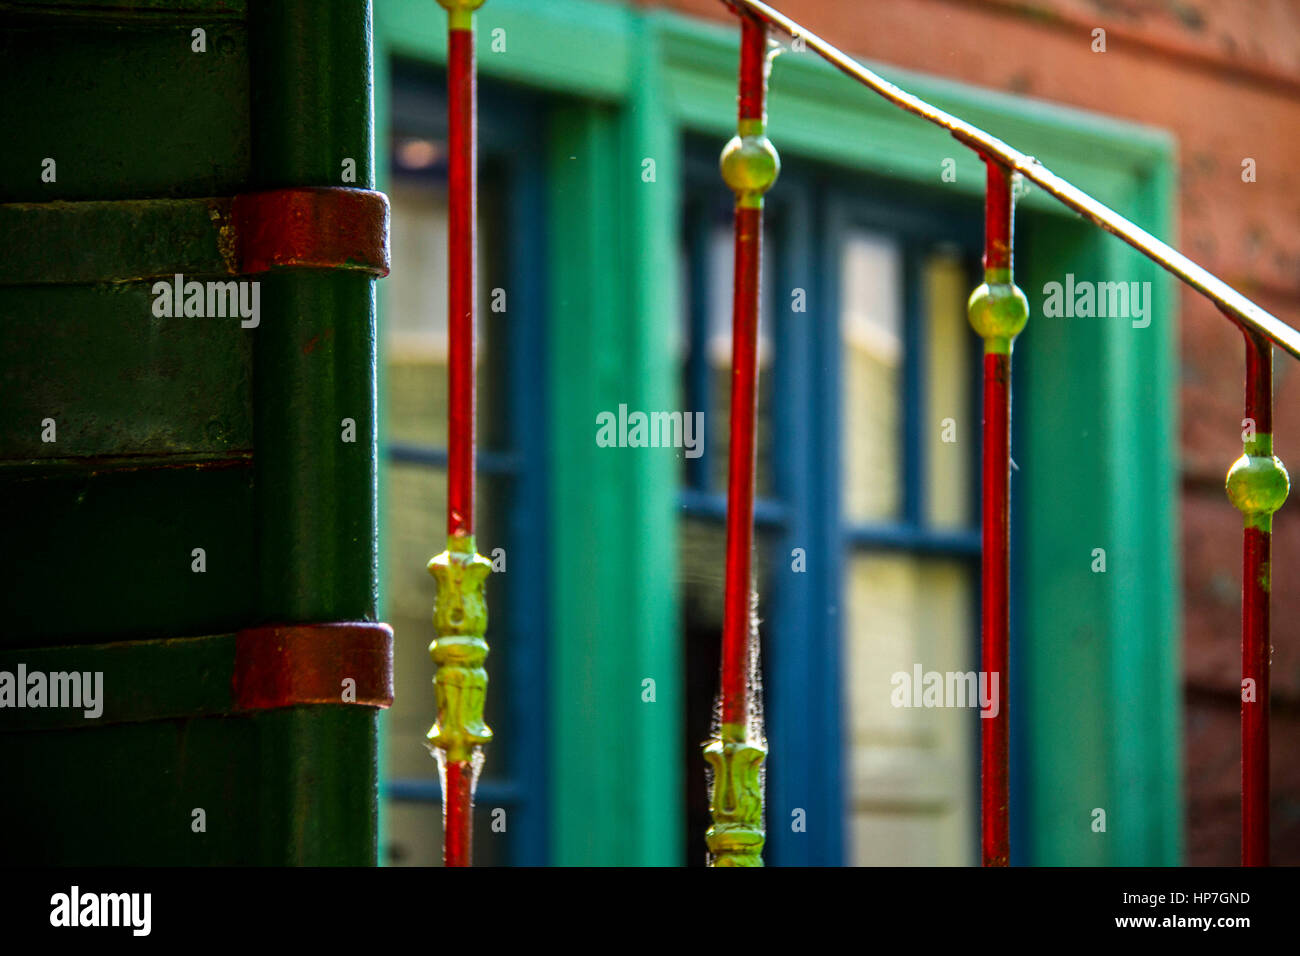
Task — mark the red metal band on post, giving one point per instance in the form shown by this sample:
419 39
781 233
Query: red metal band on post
1255 572
461 202
311 228
292 664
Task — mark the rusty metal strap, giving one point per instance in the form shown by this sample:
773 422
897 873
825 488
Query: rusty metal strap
215 675
288 665
312 228
80 243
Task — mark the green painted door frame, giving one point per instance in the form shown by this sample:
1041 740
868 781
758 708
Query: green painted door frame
1098 671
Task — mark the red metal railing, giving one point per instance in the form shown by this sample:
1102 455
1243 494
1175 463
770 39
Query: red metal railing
750 167
1257 483
460 611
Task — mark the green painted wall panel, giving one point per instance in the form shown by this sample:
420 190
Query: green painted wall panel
125 109
96 556
284 787
116 379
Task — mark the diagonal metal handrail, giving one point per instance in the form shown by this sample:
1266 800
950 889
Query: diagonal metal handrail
1257 483
1228 299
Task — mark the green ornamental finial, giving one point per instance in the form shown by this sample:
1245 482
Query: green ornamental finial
1257 485
750 163
736 837
998 312
460 649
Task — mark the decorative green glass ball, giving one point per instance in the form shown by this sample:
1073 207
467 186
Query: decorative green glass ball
750 165
1258 484
998 311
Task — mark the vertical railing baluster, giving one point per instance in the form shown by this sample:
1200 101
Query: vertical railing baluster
998 312
460 609
749 166
1257 486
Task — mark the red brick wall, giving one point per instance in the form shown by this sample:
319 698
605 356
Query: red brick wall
1224 78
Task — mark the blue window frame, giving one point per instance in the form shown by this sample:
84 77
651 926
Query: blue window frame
800 501
511 460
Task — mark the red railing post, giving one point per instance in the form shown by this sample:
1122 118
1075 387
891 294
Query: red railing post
998 312
749 166
460 610
1257 485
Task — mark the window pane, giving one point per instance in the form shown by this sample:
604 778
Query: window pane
414 320
912 768
871 332
949 339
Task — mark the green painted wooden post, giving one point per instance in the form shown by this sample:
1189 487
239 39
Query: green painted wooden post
287 786
315 356
314 366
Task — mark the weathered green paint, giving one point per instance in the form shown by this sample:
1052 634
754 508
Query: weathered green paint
155 237
117 380
138 680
